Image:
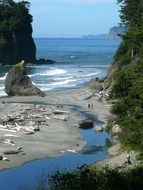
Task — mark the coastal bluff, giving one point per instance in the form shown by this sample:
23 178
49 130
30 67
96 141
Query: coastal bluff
18 83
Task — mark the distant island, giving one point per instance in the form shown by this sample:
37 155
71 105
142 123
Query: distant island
112 34
94 36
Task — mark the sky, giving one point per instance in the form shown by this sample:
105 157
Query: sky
73 18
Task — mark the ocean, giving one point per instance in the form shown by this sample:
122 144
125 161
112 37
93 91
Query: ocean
78 60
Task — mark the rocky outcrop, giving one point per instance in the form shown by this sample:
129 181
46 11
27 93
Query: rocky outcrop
17 82
45 61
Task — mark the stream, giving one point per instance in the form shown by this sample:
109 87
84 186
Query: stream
26 175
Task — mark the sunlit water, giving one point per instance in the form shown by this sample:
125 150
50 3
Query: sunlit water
78 61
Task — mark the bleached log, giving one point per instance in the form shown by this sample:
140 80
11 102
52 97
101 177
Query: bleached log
61 117
2 126
8 130
7 141
72 151
47 117
5 159
36 116
10 135
62 151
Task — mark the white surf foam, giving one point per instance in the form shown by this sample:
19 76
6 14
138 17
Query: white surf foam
51 72
47 88
3 78
91 74
58 84
55 72
73 56
62 78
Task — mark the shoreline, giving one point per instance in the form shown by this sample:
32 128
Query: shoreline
65 136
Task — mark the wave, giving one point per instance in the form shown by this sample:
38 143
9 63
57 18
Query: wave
62 78
60 83
94 67
3 78
48 88
49 73
73 57
91 74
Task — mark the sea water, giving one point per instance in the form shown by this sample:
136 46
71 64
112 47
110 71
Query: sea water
77 62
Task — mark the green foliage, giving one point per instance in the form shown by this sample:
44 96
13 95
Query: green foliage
84 178
131 17
128 88
122 50
16 32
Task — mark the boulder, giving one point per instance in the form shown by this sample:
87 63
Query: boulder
17 82
86 124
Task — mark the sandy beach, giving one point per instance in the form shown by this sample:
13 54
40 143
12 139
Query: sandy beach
55 136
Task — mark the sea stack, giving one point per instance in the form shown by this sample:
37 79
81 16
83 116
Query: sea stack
17 82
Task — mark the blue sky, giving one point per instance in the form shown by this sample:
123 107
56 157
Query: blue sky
71 18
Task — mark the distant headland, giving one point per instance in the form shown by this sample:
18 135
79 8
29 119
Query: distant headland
112 34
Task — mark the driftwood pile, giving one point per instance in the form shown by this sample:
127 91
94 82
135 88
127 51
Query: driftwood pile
99 95
27 121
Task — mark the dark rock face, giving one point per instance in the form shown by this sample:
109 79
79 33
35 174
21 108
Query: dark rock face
17 83
16 42
19 47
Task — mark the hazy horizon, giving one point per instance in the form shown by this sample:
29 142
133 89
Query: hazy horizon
82 36
73 18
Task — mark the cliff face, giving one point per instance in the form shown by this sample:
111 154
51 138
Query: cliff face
16 42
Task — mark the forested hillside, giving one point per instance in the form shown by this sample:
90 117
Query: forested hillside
16 42
126 74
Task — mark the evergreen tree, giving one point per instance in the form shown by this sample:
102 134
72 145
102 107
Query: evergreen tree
16 41
132 17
